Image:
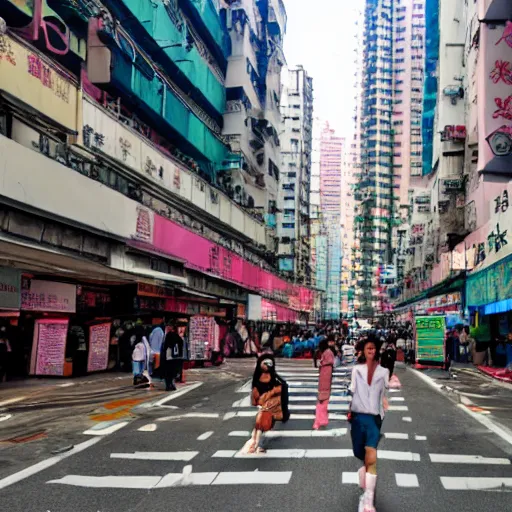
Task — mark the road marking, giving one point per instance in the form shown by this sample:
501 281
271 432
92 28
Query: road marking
150 427
397 399
244 402
310 387
105 428
392 455
190 415
256 477
205 436
407 419
45 464
460 483
112 482
185 456
246 388
294 416
406 480
12 400
314 399
395 390
5 417
393 435
445 458
177 394
420 438
336 432
332 407
350 478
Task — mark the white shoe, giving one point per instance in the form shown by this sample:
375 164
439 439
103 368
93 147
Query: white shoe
362 477
369 493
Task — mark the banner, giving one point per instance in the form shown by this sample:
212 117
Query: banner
430 338
99 340
49 347
48 296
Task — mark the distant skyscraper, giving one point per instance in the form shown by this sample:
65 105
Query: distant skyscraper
331 163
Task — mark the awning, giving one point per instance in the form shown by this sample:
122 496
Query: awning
198 294
498 10
162 276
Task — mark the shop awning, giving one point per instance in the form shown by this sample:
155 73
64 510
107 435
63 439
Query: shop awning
157 275
498 10
198 294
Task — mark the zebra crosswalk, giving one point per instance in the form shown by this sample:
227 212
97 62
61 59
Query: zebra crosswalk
216 456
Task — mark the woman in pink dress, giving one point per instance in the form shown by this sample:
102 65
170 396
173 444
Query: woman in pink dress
326 366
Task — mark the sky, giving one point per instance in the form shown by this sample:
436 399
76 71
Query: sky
321 36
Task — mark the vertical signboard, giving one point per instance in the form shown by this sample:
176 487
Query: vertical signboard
430 339
49 347
99 340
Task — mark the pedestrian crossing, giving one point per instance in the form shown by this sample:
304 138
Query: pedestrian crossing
403 454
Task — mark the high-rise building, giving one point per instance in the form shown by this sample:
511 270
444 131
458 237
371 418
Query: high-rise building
390 151
331 164
293 226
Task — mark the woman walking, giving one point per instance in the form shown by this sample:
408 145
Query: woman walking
368 388
266 394
324 385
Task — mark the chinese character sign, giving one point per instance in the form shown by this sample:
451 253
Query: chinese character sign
430 336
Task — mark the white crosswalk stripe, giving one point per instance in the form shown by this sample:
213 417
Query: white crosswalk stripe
295 445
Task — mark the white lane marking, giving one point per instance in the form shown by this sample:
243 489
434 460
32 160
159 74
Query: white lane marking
446 458
177 394
406 480
407 419
398 408
5 417
112 482
395 390
256 477
294 416
185 456
188 415
397 399
336 432
461 483
150 427
108 429
205 436
312 388
420 438
12 400
246 388
45 464
350 478
292 453
499 430
243 402
395 435
314 399
392 455
332 407
66 385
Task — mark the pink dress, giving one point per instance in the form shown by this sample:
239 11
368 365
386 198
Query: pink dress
324 389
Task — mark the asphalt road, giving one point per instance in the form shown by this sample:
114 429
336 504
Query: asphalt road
433 453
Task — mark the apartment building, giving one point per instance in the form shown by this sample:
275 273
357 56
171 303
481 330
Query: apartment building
293 226
113 156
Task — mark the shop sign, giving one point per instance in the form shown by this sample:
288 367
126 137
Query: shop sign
33 79
490 285
144 227
241 311
495 98
153 290
48 296
49 347
10 286
99 341
430 335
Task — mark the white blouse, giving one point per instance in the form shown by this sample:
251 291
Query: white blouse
367 399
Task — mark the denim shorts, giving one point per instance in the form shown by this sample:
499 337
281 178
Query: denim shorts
365 432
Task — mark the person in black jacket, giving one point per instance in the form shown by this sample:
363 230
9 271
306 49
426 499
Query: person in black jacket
172 357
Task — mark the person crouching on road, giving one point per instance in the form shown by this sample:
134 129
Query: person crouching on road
324 385
267 391
368 388
172 356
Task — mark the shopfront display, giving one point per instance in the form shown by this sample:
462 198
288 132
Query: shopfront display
49 348
430 339
99 341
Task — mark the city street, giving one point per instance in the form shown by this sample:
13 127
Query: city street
183 455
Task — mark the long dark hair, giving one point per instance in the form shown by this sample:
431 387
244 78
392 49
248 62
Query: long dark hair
361 346
258 371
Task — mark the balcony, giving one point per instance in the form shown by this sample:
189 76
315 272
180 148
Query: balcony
277 17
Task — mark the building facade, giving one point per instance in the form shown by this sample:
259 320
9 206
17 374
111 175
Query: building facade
114 151
293 226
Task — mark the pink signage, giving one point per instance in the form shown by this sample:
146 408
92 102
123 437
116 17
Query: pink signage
49 347
206 256
495 98
99 340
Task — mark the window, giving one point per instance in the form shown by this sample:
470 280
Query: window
292 175
289 186
288 225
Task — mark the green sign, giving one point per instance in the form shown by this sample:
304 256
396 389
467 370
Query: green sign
430 332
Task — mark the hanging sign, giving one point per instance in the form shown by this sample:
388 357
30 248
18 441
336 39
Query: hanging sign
99 337
430 332
49 347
